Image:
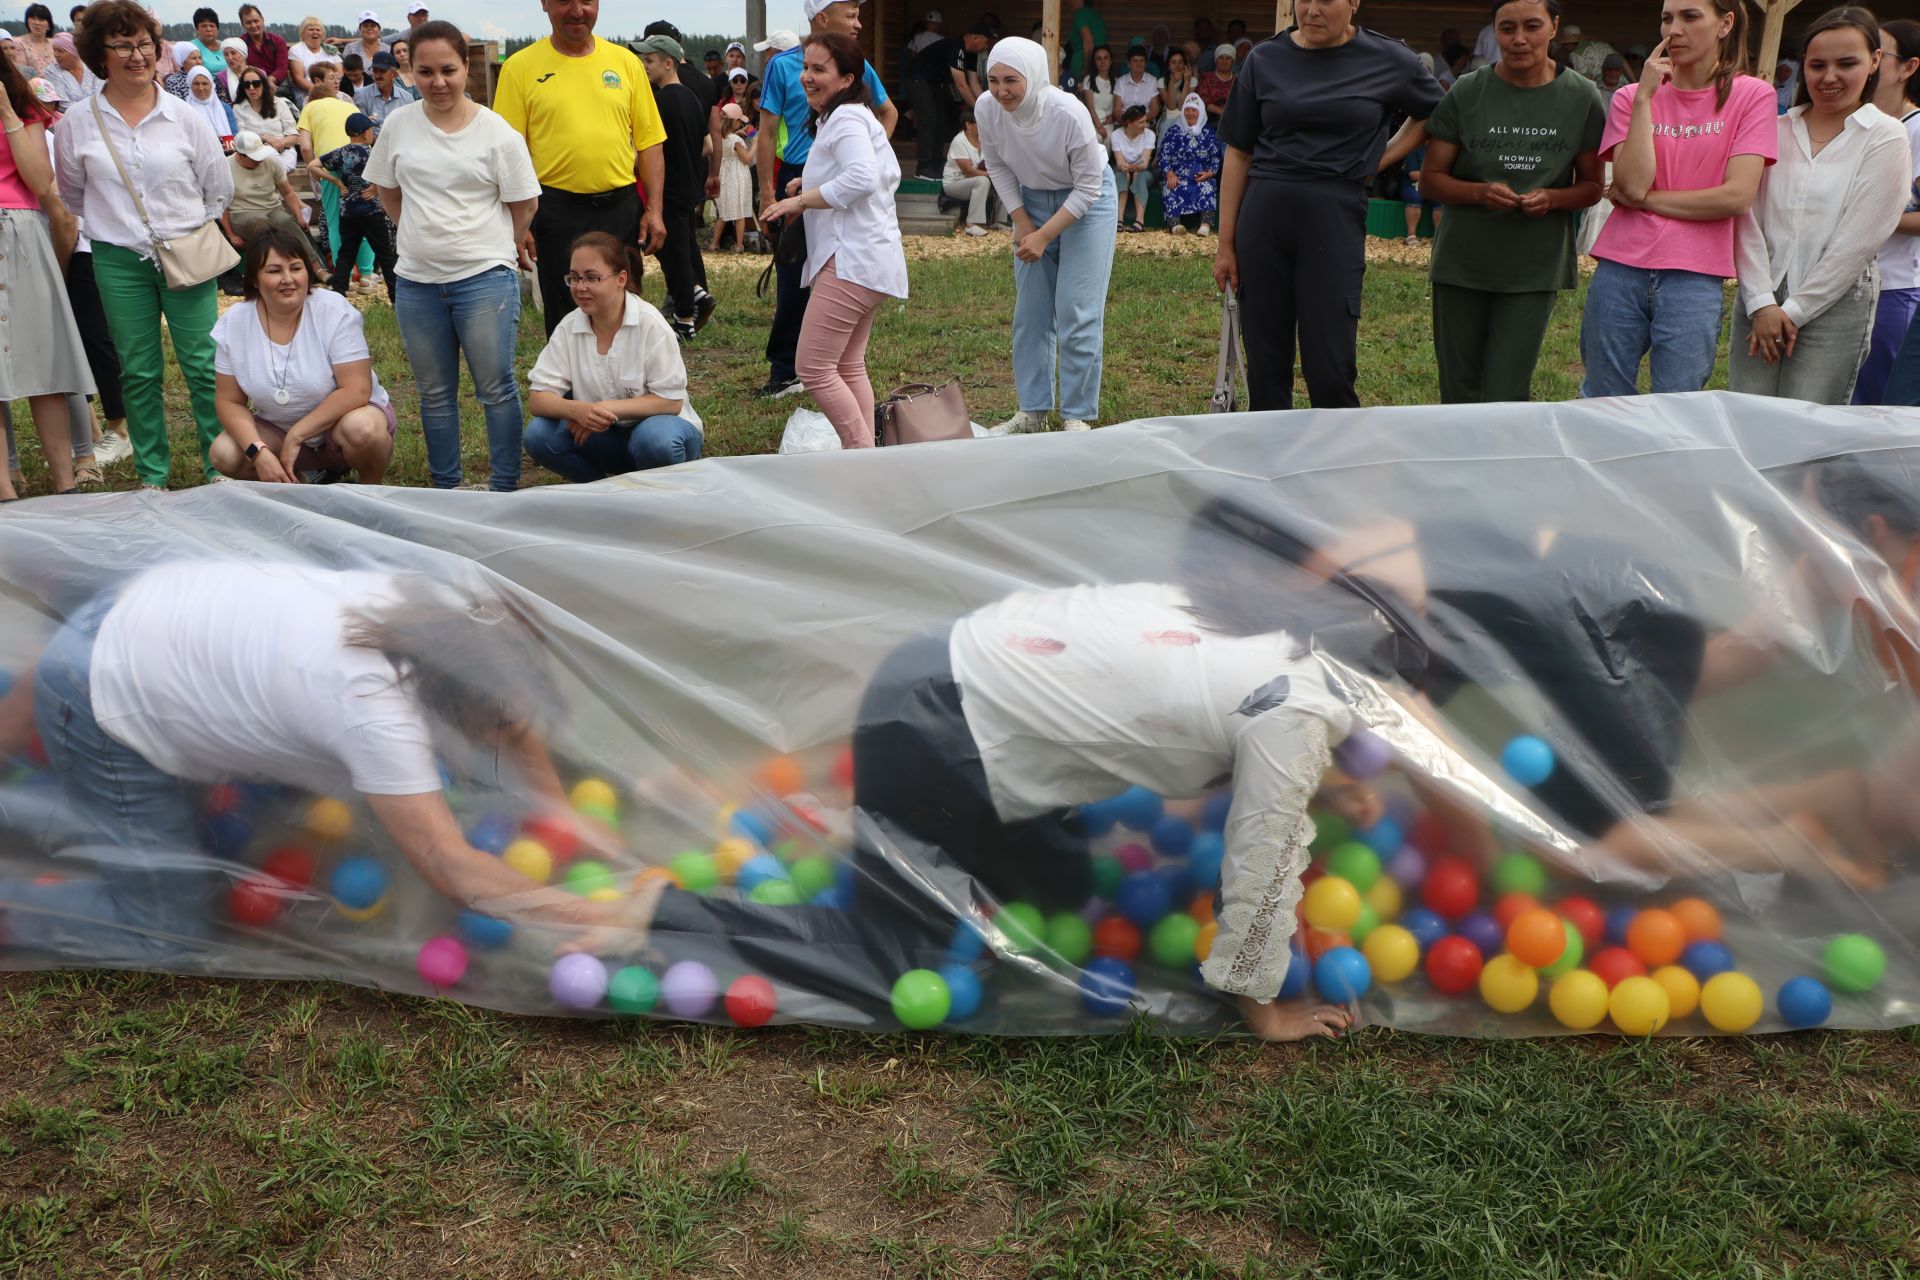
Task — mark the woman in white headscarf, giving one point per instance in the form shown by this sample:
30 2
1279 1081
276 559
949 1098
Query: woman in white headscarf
234 51
1052 176
205 103
1190 166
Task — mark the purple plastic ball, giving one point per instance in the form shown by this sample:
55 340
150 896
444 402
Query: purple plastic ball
1133 857
1363 755
689 989
577 981
1408 867
1484 932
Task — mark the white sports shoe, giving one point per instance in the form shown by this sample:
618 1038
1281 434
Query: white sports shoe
975 229
1076 424
111 447
1021 423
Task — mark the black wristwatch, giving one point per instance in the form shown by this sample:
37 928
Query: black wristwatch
254 448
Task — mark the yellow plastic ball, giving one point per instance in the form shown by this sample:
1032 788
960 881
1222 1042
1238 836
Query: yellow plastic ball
1384 898
1639 1006
1578 999
530 858
1391 951
1732 1002
1331 903
1507 985
594 793
360 915
1203 944
1682 988
328 819
732 854
605 893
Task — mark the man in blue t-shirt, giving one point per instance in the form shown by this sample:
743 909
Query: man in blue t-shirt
782 99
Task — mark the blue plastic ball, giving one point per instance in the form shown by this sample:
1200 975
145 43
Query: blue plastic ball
1204 859
1619 920
492 833
483 933
1213 817
1342 975
228 835
754 826
1137 808
1097 819
1527 760
1484 932
1106 986
964 990
1704 959
1171 836
1143 898
833 896
358 882
1294 984
1426 926
968 944
1384 837
1804 1002
759 869
1179 881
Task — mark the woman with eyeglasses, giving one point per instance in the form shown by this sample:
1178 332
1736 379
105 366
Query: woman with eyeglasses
174 159
262 111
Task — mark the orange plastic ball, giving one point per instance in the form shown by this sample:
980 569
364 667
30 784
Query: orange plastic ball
1657 937
1117 937
1537 938
1511 906
1699 918
1321 941
782 776
1201 908
1203 944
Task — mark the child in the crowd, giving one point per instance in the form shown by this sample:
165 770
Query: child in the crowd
361 217
734 207
1132 147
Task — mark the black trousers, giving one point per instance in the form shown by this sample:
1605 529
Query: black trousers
564 217
83 295
374 229
933 112
790 302
680 261
1303 258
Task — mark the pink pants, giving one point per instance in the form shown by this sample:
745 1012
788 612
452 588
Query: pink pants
831 358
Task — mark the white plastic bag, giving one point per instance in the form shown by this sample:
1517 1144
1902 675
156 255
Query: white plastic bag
808 431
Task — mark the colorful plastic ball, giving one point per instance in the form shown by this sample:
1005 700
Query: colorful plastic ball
1519 873
1527 760
1203 941
1214 813
1096 819
1453 965
1657 937
695 871
1137 808
1070 937
965 995
781 776
1107 875
1201 908
836 897
1329 830
1363 755
1451 887
1384 897
1639 1006
1342 975
1171 836
1106 986
228 835
1143 898
530 858
1392 952
491 833
1022 927
1682 988
1178 881
1209 851
1299 970
1134 858
1427 834
776 893
757 870
594 793
328 819
1509 907
483 932
921 999
1616 964
1578 1000
256 901
1853 963
1172 941
577 981
1508 984
1385 837
843 768
750 1001
1537 938
1363 924
689 989
968 944
1330 903
609 818
556 832
1355 863
1803 1002
1408 867
1584 916
1481 929
222 797
1426 926
1731 1002
811 874
291 865
753 825
1570 958
1317 942
731 854
442 961
1704 959
633 989
1116 938
587 877
1700 919
357 883
1619 920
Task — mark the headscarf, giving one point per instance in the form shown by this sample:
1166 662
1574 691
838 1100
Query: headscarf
236 65
64 43
1225 51
1784 93
1194 102
1029 60
211 107
181 49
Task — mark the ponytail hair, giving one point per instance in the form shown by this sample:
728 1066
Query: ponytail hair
615 253
1733 50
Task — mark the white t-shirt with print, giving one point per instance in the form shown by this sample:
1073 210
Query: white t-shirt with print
643 360
455 188
330 333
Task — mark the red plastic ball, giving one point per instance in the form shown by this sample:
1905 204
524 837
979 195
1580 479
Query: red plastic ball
1586 916
1117 937
750 1001
1657 937
1313 872
1453 965
36 750
1512 906
1452 887
556 833
1616 964
222 797
1429 835
255 901
843 768
290 864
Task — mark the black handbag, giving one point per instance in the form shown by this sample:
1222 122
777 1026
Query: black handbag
789 250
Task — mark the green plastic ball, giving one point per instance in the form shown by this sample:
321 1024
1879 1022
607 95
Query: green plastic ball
788 851
921 999
1329 831
1021 926
1070 937
1519 873
696 871
605 815
1355 863
1854 963
811 874
1107 875
633 990
776 893
1570 958
1363 924
587 876
1172 940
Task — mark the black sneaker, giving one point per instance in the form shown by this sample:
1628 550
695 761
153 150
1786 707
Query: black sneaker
776 387
684 329
703 307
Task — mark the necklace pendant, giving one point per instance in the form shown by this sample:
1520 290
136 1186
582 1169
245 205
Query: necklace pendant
281 395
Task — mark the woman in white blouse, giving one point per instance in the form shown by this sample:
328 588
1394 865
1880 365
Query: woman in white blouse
174 159
1047 163
1806 248
610 390
310 48
854 258
259 108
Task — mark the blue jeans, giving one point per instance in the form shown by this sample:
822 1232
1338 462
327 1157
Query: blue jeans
149 892
1631 312
1139 186
1892 317
1060 305
659 441
480 316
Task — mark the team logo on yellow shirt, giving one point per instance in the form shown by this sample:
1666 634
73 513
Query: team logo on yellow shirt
611 79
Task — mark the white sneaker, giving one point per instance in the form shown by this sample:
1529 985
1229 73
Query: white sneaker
1205 230
1021 423
112 447
1076 424
975 229
1179 228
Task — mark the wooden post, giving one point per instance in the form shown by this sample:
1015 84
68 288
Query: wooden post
1773 24
1282 15
756 32
1050 37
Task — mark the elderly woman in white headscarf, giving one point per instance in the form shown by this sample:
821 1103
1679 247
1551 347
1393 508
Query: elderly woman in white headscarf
233 51
1052 176
203 101
1190 166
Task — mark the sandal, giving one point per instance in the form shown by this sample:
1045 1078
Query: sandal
1136 226
87 475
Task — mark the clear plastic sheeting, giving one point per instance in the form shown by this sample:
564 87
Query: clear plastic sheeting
1599 716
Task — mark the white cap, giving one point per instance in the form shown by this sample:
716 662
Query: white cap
417 8
813 8
1569 32
932 15
247 143
777 41
367 15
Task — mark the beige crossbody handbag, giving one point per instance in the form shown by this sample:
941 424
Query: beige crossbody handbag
194 258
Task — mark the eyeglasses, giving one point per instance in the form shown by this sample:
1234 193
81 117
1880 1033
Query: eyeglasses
573 278
146 49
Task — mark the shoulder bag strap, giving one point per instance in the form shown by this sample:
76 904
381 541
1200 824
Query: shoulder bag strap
107 137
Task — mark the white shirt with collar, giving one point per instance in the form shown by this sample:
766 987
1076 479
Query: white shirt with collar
1818 221
171 156
852 165
643 360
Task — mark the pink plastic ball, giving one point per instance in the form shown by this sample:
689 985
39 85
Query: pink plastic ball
690 989
1134 857
1407 867
442 961
577 981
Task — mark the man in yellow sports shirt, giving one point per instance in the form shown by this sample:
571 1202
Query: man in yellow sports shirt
587 112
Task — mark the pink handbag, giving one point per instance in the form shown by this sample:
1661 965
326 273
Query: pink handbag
919 412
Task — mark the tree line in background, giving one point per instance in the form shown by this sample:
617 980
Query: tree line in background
695 45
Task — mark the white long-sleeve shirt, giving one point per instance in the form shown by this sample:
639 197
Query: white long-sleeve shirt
1818 221
1062 150
852 165
172 157
1072 695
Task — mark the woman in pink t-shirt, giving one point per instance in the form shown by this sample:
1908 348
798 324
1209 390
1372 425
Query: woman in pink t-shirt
1688 145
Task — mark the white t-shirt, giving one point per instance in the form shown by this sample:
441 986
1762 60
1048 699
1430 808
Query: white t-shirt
1136 93
330 333
455 188
303 57
957 150
1132 150
1072 695
1900 256
223 669
644 360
